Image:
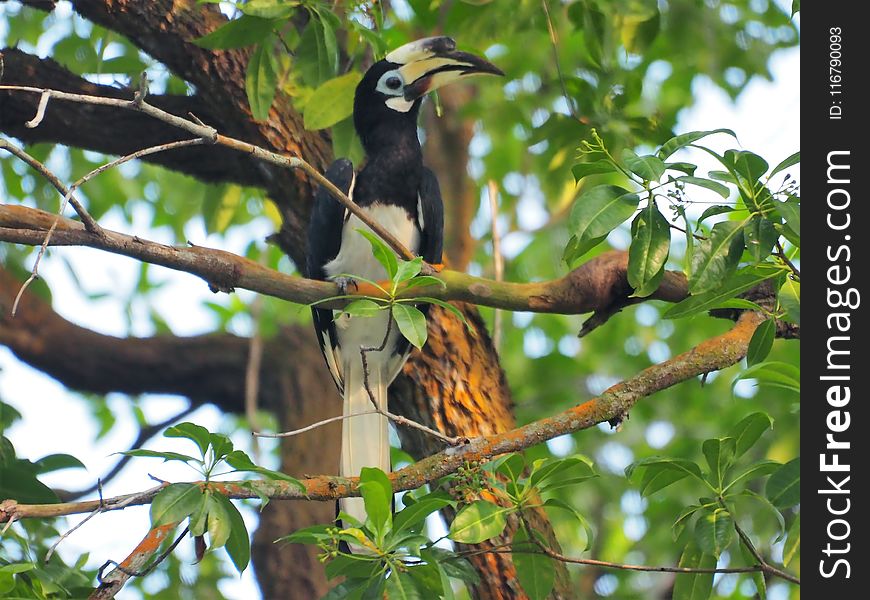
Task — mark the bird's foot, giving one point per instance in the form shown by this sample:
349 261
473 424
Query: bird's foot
431 269
344 284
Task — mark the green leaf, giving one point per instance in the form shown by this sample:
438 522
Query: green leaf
648 253
20 484
658 478
748 430
174 503
683 167
562 505
424 281
683 519
739 283
747 164
238 544
709 184
412 323
511 466
261 80
793 542
773 373
784 486
240 461
714 531
788 162
660 472
595 214
597 167
694 586
455 566
409 269
315 57
363 308
377 493
445 305
754 471
401 586
682 140
415 514
16 568
198 523
547 473
711 211
795 7
719 453
535 570
761 342
790 211
166 456
790 299
221 445
477 522
382 252
57 462
647 167
760 236
269 9
238 33
716 257
331 102
196 433
748 493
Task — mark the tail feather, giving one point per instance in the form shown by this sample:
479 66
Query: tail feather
364 439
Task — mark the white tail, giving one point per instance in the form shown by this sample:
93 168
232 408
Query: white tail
365 439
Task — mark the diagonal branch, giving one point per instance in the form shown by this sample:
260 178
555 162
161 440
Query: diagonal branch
614 403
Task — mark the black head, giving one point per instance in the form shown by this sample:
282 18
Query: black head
388 98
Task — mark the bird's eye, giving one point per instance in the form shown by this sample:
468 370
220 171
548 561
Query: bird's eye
394 83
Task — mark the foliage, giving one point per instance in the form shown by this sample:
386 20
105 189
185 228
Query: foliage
600 108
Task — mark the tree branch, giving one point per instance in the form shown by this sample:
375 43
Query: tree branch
713 354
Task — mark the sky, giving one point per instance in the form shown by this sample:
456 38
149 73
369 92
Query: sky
765 119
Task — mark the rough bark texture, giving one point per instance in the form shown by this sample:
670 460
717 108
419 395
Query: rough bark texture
466 395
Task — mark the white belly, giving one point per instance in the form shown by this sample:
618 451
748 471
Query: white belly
356 259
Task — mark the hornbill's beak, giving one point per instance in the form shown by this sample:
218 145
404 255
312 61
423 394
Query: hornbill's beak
431 63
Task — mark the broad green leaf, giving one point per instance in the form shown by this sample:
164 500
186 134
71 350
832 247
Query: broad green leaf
196 433
722 176
554 470
477 522
240 461
535 570
377 493
424 281
709 184
790 299
238 543
648 253
315 58
739 283
409 269
412 323
447 306
428 578
237 33
790 211
596 213
512 466
331 102
20 484
382 252
683 519
716 258
795 7
714 531
793 542
675 464
562 505
416 513
711 211
57 462
401 586
682 140
166 456
760 236
694 586
748 430
16 568
748 493
647 167
261 80
455 566
784 486
747 164
269 9
221 445
754 471
761 342
788 162
683 167
363 308
657 478
174 503
597 167
198 522
219 523
719 453
773 373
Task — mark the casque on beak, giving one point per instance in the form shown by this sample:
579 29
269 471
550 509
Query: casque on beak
431 63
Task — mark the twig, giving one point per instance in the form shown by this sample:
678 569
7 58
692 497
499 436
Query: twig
763 565
252 369
554 42
313 425
497 258
780 252
40 111
211 135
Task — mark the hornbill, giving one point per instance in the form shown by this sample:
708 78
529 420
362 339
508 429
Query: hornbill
402 195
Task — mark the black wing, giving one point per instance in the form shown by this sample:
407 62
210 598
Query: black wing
432 217
324 242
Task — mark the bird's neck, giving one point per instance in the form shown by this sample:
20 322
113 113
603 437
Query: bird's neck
393 169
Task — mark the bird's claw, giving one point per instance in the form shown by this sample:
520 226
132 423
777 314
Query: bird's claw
344 284
431 269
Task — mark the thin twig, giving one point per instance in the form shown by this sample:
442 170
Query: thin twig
313 425
252 368
497 258
780 252
212 136
762 564
554 42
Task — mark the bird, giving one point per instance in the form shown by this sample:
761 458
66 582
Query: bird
397 191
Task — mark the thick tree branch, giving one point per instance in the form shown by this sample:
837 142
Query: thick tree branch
595 285
614 403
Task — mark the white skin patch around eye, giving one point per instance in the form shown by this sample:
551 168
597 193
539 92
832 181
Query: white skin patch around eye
400 104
